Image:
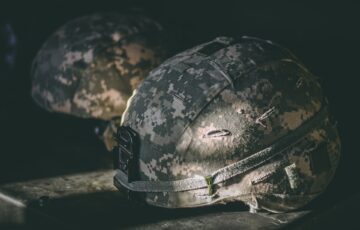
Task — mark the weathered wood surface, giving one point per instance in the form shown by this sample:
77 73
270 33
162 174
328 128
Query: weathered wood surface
90 200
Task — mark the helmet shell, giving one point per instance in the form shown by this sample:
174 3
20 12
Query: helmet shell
220 103
90 66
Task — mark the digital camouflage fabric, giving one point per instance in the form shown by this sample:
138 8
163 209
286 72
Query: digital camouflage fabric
231 120
90 66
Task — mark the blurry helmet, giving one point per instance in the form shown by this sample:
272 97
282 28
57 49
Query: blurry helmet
228 120
90 66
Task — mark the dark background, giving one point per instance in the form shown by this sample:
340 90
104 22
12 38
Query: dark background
325 36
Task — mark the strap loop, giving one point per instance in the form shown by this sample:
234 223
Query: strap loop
210 183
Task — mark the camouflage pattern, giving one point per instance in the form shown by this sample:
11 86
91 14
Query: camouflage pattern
223 101
90 66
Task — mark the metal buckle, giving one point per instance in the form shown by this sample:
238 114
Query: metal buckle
126 153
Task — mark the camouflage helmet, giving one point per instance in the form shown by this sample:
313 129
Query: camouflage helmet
90 66
228 120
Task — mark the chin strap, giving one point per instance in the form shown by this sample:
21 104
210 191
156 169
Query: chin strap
223 174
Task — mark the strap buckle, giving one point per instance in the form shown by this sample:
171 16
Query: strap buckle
126 152
210 184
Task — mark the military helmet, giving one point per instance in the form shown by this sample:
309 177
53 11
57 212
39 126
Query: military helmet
228 120
90 66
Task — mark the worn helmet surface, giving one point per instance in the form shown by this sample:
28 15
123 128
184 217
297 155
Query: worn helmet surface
228 120
90 66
